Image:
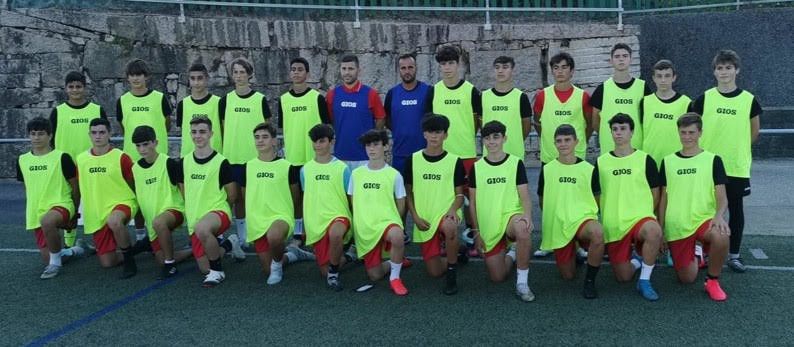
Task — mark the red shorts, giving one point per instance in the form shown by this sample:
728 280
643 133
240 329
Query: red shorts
620 251
195 243
374 257
432 248
567 253
178 216
65 217
683 250
41 240
501 246
322 253
104 240
156 246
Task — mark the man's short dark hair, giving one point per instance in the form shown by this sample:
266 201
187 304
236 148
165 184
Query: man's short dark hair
100 121
198 67
350 58
435 122
407 56
664 64
75 76
300 60
505 60
618 46
447 53
321 131
40 124
247 66
266 127
137 67
374 135
493 127
690 118
622 118
726 56
565 130
143 133
559 57
201 120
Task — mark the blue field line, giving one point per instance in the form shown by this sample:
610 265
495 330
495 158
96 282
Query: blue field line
76 325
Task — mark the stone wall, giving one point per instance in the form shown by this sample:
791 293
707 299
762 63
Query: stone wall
40 45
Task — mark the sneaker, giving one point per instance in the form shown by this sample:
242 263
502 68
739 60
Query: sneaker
130 269
524 293
350 254
646 290
541 254
300 254
451 283
213 279
50 271
237 252
589 290
713 289
88 249
397 287
167 271
737 265
334 283
276 275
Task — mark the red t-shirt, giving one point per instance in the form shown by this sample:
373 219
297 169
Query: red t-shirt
563 96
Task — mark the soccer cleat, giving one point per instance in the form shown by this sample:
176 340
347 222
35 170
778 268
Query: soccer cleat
581 256
737 265
89 247
397 287
541 254
213 279
713 289
350 254
589 290
524 293
237 252
77 251
276 275
646 290
167 271
50 271
130 269
451 283
468 239
334 283
300 254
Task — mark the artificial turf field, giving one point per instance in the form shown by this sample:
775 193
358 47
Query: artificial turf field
87 305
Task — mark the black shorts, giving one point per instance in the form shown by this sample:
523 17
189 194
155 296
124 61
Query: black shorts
737 187
238 173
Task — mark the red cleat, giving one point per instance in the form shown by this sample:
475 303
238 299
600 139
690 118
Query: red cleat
714 290
397 287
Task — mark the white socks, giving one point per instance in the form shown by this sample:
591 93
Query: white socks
522 276
395 270
55 259
636 263
242 232
298 227
645 273
140 234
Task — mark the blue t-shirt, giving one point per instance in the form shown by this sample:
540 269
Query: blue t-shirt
405 110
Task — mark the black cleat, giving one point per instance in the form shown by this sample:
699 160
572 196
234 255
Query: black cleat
451 283
589 290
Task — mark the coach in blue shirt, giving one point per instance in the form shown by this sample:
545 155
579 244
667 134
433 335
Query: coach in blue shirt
405 107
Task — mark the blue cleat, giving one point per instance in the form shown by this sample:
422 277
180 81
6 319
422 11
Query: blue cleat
646 290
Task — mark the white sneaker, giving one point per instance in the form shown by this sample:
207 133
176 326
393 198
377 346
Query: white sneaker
276 274
50 271
524 293
541 253
213 279
351 253
237 252
511 252
299 254
581 253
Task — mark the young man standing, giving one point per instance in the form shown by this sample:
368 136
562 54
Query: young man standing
107 189
660 111
508 105
157 193
324 180
621 93
732 123
270 190
241 110
693 206
300 109
377 195
629 194
70 124
434 181
142 106
208 188
567 188
502 209
405 108
199 103
354 109
50 192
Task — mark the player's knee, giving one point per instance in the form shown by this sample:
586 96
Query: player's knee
597 236
687 277
521 235
336 236
160 225
395 236
449 228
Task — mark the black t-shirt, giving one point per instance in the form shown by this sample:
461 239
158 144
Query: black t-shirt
521 173
755 110
294 173
651 172
675 97
595 184
460 173
164 104
322 106
525 108
265 108
180 111
225 177
476 98
68 169
717 173
173 166
597 99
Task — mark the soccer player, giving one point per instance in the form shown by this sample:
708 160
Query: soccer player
106 185
50 187
567 188
693 206
300 109
354 109
70 124
159 199
377 194
208 188
732 122
509 105
629 181
199 103
405 108
270 190
434 181
142 106
502 209
241 110
660 111
324 180
621 93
